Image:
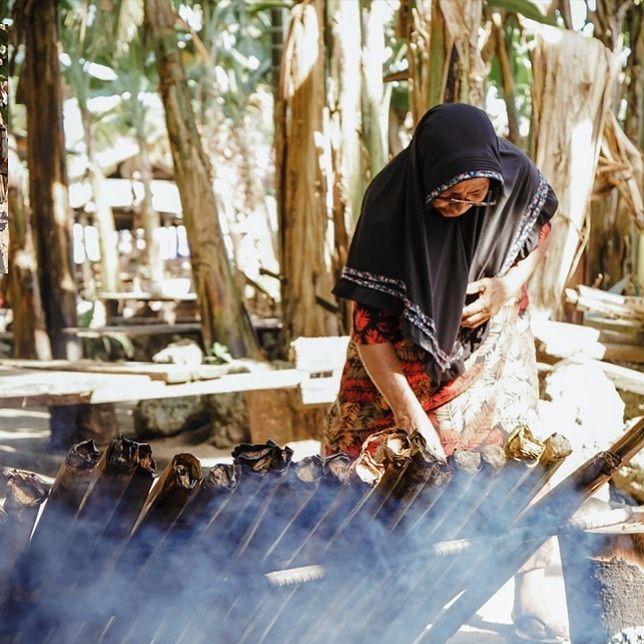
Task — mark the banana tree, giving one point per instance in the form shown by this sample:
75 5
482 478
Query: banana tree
83 41
40 89
134 88
223 317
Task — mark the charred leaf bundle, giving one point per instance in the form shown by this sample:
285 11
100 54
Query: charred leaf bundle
394 535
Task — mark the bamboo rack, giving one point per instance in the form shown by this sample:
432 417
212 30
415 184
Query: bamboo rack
266 549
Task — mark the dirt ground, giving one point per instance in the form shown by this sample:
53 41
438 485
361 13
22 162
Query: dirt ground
24 438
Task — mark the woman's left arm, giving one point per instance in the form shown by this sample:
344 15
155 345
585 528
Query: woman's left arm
496 291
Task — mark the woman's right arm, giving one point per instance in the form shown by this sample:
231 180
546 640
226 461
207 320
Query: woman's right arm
381 362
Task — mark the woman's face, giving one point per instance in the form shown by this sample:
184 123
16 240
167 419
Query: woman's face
472 190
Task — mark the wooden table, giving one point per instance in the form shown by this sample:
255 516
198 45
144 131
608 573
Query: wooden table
114 300
80 395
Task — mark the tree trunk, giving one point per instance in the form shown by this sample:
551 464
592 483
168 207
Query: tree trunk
634 124
47 176
223 318
604 581
375 103
445 64
343 53
507 79
572 75
277 41
149 217
30 338
617 210
302 166
103 216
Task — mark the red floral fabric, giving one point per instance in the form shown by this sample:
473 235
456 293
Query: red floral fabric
360 410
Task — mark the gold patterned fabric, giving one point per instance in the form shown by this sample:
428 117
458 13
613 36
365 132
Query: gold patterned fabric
497 391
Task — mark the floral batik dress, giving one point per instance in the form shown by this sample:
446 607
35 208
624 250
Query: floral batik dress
497 391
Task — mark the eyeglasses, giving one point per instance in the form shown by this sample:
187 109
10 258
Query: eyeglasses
472 203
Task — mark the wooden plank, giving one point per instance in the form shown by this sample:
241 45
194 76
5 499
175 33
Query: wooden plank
611 305
323 354
139 329
144 296
630 327
169 373
61 388
564 340
229 383
119 320
51 388
634 302
622 377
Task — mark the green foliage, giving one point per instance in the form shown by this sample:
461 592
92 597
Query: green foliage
85 317
267 5
524 7
218 354
237 38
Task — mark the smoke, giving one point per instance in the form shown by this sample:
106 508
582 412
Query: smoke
373 549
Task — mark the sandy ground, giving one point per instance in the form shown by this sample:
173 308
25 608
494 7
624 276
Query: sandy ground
24 438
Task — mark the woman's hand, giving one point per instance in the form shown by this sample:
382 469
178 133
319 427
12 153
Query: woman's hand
494 292
416 420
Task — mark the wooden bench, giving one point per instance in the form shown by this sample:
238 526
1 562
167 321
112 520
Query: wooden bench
285 404
287 414
114 301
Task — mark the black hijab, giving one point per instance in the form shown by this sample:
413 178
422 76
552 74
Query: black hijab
406 257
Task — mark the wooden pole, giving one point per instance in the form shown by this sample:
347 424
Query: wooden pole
223 317
41 87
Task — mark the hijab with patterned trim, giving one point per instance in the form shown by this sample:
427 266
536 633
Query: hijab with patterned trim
407 257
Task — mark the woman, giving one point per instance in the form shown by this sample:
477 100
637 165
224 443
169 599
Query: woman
449 232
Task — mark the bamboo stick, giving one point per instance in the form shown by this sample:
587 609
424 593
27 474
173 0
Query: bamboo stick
559 504
37 560
384 455
121 523
505 500
419 486
226 582
384 460
104 521
443 521
166 568
113 474
522 451
274 476
25 494
335 474
425 481
177 484
254 464
285 508
328 497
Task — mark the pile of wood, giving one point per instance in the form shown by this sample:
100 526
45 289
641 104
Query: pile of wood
604 304
270 549
611 336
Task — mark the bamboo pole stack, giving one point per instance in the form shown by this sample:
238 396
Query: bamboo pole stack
265 549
